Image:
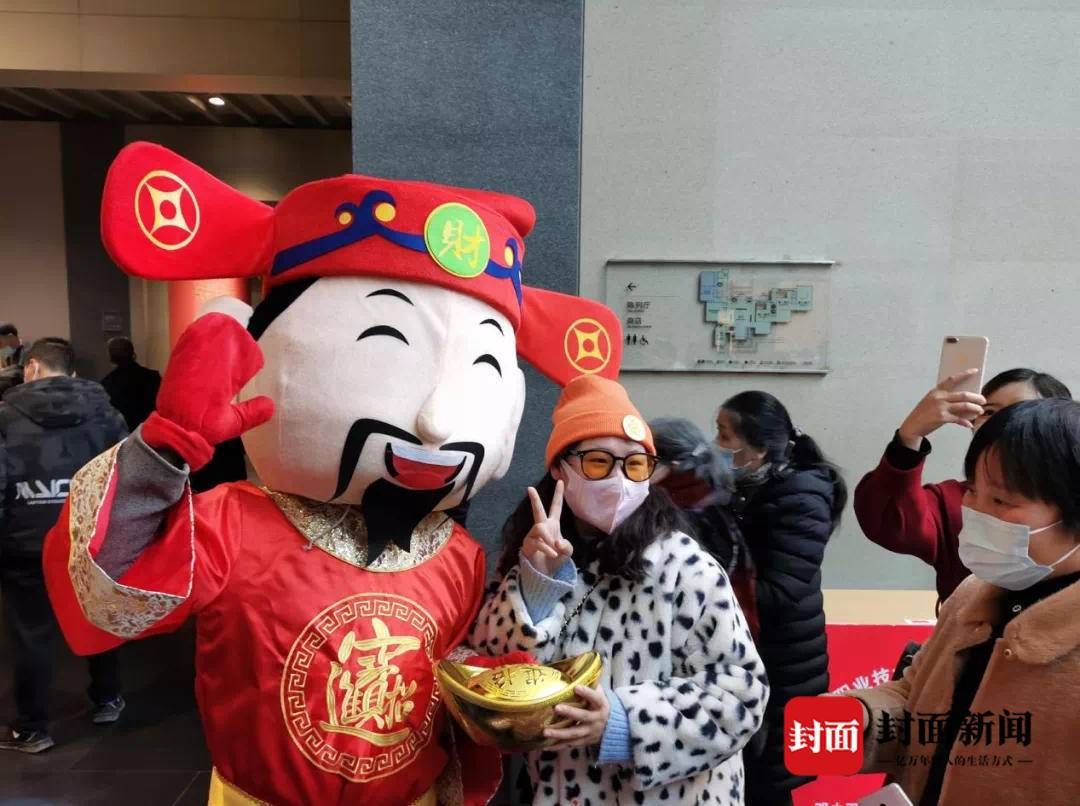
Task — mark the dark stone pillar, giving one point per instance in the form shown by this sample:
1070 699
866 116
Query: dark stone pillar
97 290
482 93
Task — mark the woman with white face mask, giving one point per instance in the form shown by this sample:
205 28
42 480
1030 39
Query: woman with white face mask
897 510
1006 649
595 560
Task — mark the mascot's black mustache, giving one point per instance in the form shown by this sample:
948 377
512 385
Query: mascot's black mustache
392 513
354 446
358 436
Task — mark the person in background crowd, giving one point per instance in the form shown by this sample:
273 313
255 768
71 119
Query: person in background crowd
133 390
50 426
897 511
697 474
788 503
11 350
683 688
132 387
1006 649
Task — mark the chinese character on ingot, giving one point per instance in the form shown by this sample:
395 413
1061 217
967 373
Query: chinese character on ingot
467 245
824 735
374 697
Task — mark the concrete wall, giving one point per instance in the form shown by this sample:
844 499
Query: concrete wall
98 304
33 268
930 148
492 99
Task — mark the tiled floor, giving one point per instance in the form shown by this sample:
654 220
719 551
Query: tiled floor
154 755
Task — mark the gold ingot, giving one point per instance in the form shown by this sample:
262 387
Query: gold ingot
509 707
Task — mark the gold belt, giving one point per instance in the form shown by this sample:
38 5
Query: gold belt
222 793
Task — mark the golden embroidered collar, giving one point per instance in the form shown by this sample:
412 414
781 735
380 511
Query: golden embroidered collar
340 531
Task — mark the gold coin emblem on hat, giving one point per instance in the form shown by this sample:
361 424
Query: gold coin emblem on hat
633 427
587 346
166 210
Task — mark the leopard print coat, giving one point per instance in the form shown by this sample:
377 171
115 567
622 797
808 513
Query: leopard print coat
678 655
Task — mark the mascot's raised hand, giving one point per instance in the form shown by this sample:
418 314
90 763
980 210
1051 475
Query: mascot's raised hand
196 409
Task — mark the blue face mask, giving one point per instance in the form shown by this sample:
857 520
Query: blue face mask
727 457
738 471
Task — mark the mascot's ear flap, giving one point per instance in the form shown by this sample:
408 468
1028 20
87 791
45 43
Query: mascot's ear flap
164 218
565 337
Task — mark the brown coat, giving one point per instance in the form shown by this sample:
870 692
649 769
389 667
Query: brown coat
1034 667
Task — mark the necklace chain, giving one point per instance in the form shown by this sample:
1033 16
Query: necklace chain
574 613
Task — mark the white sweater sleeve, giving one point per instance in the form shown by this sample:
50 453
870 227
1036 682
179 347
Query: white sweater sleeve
715 699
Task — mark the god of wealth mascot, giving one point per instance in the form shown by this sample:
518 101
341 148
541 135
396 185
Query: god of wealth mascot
376 387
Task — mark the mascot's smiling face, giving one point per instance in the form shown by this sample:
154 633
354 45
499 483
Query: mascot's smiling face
404 388
391 331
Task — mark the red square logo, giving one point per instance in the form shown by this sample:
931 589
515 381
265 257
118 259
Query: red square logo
823 735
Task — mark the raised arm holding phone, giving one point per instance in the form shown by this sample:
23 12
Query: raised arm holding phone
900 513
1005 653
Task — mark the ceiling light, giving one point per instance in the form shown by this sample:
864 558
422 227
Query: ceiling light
216 100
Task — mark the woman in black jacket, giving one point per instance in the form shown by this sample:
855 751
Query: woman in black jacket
788 503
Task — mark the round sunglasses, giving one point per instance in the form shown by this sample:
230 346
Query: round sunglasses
598 464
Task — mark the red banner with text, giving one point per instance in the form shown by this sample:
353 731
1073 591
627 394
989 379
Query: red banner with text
860 656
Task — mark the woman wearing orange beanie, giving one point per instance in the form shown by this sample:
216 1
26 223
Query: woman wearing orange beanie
596 560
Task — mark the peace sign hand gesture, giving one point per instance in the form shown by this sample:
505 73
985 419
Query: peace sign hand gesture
544 546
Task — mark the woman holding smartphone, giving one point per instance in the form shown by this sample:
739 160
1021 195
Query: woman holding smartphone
1000 672
897 511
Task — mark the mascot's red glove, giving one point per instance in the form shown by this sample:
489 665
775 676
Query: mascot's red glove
487 662
212 361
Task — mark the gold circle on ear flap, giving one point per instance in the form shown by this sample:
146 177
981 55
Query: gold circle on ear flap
633 428
587 346
385 212
344 218
508 256
166 210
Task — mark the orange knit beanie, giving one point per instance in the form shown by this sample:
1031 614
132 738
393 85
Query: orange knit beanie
589 407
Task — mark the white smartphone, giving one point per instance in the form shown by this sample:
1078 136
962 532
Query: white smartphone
959 353
892 795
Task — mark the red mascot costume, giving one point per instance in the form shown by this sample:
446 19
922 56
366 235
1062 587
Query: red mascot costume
376 388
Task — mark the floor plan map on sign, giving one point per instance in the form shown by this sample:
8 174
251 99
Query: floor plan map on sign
738 317
741 316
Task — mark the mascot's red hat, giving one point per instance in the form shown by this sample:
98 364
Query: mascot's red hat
164 218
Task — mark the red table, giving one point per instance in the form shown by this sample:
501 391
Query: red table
860 656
